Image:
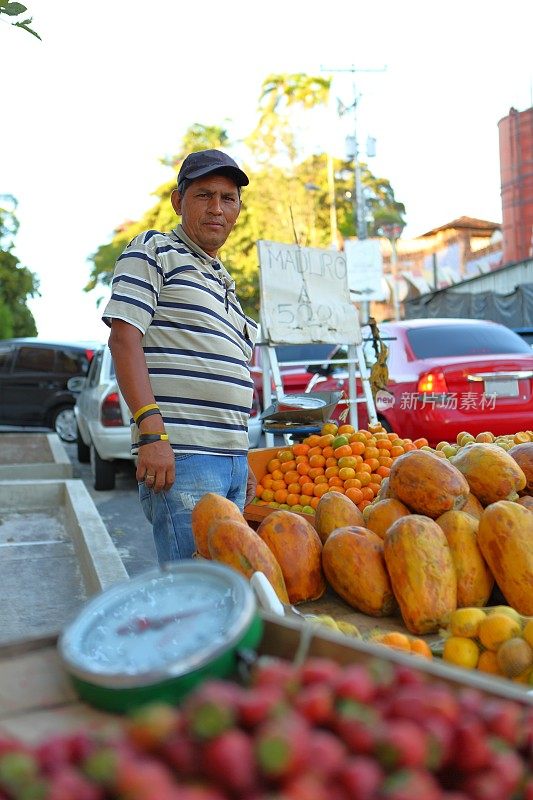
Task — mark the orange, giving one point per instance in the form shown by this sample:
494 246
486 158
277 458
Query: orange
312 440
259 490
376 477
292 499
320 479
267 495
358 437
349 429
317 461
314 502
354 494
397 450
266 481
383 471
278 485
314 451
331 471
331 461
294 488
280 496
421 442
303 467
357 448
277 475
314 471
371 452
394 639
384 444
409 446
305 498
304 478
364 468
327 452
373 463
300 449
308 489
345 473
374 487
363 478
343 450
347 461
291 476
335 481
363 504
329 427
326 439
339 489
352 483
301 459
285 455
320 489
368 493
273 464
420 647
287 466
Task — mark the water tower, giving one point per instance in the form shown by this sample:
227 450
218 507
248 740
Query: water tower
516 171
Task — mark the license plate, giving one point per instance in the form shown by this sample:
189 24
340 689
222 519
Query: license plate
502 388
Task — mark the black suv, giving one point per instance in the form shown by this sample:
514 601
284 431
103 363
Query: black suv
33 383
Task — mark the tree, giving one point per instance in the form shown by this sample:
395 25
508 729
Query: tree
13 9
17 283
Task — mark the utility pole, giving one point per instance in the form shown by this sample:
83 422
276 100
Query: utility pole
352 143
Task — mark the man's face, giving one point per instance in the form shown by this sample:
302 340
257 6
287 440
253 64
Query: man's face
209 209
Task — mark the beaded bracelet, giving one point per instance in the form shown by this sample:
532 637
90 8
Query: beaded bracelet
149 438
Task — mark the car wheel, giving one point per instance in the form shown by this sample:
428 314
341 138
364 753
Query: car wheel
103 471
83 450
63 422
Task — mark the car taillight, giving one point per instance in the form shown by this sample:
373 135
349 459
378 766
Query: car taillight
110 413
432 383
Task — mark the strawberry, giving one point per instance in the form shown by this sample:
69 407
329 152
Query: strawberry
420 702
306 786
211 709
148 726
315 702
470 745
355 683
360 777
408 784
282 746
401 743
276 671
327 753
229 761
68 784
259 703
505 719
319 670
181 753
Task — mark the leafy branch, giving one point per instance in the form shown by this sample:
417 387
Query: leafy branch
14 9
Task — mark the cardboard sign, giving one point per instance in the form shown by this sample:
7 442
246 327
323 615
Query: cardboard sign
305 295
365 269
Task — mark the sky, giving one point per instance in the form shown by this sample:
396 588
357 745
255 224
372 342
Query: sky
90 111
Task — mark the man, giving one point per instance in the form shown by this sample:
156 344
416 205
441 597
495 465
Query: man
181 344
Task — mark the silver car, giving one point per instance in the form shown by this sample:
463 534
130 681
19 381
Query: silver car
103 421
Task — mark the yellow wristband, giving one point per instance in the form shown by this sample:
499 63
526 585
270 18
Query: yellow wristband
143 409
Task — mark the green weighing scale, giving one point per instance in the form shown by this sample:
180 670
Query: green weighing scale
158 635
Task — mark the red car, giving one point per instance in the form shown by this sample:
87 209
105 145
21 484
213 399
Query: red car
445 376
293 361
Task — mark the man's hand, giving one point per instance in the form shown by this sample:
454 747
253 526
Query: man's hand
156 466
251 485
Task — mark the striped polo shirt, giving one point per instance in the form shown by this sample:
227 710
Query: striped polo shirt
196 339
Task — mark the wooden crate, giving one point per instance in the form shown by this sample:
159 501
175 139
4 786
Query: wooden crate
258 460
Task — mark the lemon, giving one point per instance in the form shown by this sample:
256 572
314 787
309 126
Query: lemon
461 651
509 610
497 628
465 622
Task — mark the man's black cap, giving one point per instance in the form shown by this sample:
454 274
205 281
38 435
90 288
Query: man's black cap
204 162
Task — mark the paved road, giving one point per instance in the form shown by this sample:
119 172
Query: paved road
121 513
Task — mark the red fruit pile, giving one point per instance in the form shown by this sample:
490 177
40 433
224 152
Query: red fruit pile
315 732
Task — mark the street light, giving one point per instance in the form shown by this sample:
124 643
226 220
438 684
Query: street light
392 231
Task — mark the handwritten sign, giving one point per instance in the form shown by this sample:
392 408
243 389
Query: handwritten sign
305 295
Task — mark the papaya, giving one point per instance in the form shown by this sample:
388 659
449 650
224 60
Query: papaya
298 550
473 506
352 558
427 484
421 571
505 538
523 455
381 514
209 507
335 510
492 473
475 581
234 543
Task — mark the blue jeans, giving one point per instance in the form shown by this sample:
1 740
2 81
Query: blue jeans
170 512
